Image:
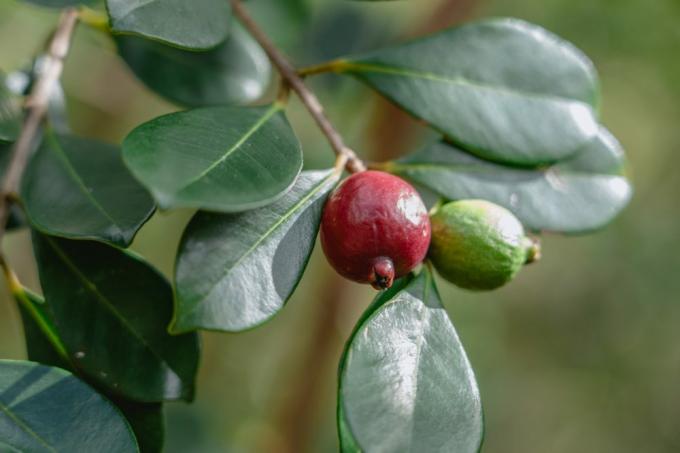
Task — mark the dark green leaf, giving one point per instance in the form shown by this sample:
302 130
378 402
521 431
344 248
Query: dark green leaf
80 188
61 3
405 381
574 196
44 409
235 271
110 310
225 159
146 419
503 89
196 24
10 113
235 72
43 344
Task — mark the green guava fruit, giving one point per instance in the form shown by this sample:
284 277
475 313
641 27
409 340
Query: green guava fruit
478 245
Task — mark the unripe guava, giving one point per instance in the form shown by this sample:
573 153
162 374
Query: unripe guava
477 244
375 228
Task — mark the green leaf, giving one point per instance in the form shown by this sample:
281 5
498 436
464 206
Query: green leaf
10 113
235 72
196 24
43 344
503 89
60 3
44 409
110 310
146 419
225 159
574 196
79 188
235 271
405 381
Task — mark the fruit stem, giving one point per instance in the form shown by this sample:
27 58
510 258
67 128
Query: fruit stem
322 68
308 98
533 250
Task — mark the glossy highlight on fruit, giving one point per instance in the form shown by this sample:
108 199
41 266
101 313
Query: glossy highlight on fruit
478 245
375 228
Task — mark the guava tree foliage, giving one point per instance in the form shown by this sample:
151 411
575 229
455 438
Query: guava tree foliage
110 339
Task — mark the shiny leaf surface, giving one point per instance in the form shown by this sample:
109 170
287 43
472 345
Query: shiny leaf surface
235 271
225 159
502 89
196 24
110 310
44 409
80 188
405 381
235 72
577 195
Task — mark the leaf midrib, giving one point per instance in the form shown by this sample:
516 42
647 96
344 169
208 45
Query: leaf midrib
474 168
262 238
351 66
249 133
107 303
61 154
24 427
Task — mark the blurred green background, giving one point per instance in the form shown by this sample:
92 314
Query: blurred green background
580 354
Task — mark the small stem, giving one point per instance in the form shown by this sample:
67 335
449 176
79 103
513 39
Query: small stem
20 294
309 99
329 66
94 19
36 105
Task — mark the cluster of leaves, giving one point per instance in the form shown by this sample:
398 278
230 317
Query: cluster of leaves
517 109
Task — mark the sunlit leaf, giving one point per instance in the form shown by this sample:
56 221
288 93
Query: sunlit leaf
405 381
195 24
235 271
225 159
502 89
577 195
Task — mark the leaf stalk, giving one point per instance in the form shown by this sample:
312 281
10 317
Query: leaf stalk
308 98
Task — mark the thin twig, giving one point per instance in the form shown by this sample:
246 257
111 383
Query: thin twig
309 99
36 106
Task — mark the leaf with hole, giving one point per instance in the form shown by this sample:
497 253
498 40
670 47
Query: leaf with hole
574 196
225 159
235 72
405 383
110 309
235 271
47 409
502 89
196 24
79 188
